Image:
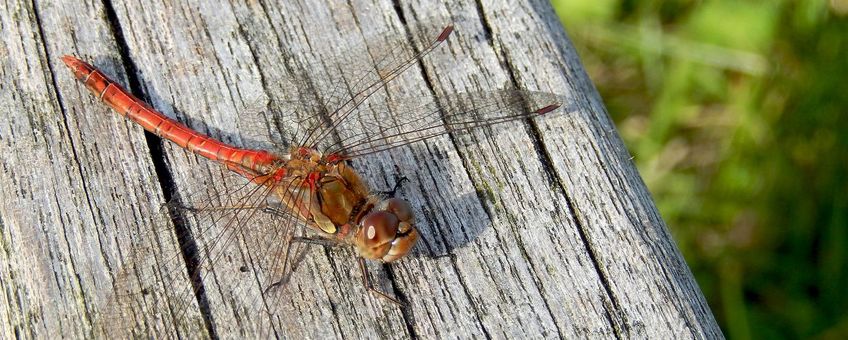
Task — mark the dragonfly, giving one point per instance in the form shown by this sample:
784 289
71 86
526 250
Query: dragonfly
313 185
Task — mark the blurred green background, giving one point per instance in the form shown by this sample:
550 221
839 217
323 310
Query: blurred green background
735 112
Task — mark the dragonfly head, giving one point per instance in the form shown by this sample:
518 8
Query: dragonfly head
387 233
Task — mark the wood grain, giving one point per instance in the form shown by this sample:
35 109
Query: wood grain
539 229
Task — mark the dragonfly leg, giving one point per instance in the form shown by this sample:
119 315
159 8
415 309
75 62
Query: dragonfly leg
398 183
307 240
367 282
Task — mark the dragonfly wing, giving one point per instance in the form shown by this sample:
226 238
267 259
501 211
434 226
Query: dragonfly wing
230 247
339 79
392 123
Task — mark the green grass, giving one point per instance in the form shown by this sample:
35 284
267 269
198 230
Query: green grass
735 112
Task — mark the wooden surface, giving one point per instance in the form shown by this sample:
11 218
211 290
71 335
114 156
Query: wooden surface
538 229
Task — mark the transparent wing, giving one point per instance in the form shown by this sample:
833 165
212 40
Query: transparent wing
228 248
390 124
329 85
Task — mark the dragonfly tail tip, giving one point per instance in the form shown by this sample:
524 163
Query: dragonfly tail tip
445 33
547 109
69 59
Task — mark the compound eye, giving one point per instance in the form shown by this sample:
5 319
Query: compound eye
400 208
379 228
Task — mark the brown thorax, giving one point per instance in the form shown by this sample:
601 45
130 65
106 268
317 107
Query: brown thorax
332 198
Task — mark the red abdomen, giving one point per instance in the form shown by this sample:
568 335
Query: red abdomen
249 163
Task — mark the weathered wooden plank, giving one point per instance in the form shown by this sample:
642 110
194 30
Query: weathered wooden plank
539 229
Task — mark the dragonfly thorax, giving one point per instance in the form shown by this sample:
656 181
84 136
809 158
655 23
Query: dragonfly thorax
334 200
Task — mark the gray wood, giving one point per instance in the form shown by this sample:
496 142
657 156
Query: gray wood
537 229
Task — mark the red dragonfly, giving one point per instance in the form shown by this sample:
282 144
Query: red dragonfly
309 185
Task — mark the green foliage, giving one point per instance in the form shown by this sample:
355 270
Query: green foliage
735 112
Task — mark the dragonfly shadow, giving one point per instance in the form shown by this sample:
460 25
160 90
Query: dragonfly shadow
441 236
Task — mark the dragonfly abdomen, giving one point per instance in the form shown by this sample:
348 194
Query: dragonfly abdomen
249 163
